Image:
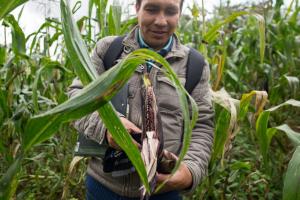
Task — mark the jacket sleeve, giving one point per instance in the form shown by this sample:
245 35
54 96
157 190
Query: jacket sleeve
198 155
91 125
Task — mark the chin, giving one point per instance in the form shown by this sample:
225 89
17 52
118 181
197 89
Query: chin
159 43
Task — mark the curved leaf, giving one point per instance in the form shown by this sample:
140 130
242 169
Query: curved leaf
292 135
260 101
47 66
18 37
292 180
213 33
6 6
8 182
264 137
76 48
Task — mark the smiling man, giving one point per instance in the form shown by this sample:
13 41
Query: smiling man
157 22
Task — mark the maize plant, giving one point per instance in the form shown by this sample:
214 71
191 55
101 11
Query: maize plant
254 56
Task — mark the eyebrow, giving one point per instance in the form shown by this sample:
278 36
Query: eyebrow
152 5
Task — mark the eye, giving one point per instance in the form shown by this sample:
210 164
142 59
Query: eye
152 10
171 11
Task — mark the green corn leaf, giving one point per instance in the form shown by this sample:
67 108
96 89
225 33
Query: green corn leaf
80 22
4 108
8 182
2 55
222 98
224 132
221 134
127 24
213 33
114 18
6 6
264 135
292 135
261 99
111 22
262 35
292 180
226 122
245 103
82 63
89 99
189 120
261 132
289 9
241 165
101 12
293 82
18 37
290 102
117 13
48 24
49 65
90 9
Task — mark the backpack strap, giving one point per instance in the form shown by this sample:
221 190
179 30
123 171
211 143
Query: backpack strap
113 52
85 146
194 68
195 63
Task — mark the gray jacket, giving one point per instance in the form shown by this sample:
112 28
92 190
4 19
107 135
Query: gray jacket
198 155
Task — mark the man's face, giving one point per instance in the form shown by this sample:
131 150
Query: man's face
158 20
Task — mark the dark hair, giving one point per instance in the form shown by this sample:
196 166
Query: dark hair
138 2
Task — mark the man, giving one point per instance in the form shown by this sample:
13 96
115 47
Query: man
157 21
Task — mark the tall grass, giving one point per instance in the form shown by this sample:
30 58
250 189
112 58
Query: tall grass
254 57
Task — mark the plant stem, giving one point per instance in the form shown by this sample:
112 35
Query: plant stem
203 19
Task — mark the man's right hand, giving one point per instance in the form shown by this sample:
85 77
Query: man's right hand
131 128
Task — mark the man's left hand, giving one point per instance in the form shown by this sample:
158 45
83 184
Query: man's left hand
182 179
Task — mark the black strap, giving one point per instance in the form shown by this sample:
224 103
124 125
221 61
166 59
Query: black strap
85 146
113 52
195 62
194 69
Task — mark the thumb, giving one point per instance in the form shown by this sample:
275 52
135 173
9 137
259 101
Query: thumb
161 177
135 129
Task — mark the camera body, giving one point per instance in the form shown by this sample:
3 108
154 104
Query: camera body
117 162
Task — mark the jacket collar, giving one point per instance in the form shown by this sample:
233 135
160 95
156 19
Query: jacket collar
130 43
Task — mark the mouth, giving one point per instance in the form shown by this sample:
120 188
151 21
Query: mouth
159 33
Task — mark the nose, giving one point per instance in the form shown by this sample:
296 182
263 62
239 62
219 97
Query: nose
161 20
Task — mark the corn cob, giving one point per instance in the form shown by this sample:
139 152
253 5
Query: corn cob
152 141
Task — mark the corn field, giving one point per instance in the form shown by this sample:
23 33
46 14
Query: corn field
254 56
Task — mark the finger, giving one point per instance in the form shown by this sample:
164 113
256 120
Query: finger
115 145
169 155
111 142
139 146
135 129
161 177
131 127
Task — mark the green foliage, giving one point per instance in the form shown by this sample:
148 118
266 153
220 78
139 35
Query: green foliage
292 182
256 145
6 6
264 134
18 38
